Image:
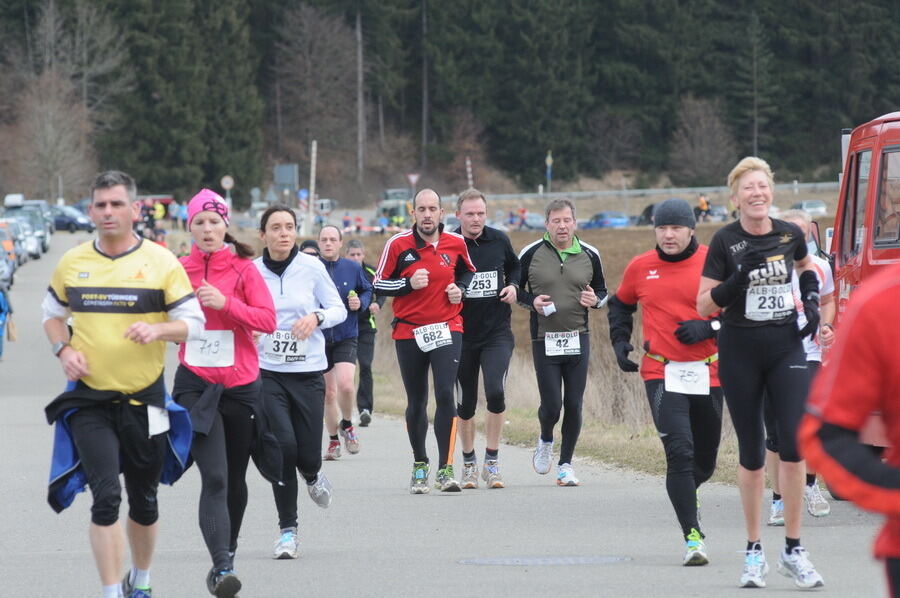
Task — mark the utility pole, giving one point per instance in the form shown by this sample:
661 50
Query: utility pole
360 102
311 209
424 159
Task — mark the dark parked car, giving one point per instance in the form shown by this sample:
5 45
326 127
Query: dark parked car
607 220
70 219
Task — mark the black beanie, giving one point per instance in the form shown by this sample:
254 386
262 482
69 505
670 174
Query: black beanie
676 212
309 243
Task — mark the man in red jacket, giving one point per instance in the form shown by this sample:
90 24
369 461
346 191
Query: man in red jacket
860 377
427 271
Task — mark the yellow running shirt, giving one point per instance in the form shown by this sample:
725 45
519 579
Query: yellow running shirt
106 295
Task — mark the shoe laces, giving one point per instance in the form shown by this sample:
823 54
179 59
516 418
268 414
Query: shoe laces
799 561
419 471
287 537
814 494
754 561
694 539
492 467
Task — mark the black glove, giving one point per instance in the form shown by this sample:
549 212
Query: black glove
811 311
729 289
694 331
622 349
750 260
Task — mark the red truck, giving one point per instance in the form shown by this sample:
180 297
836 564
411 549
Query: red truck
867 223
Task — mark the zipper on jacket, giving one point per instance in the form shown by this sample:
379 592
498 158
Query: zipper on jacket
206 266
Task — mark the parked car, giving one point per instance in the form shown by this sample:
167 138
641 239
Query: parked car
70 219
718 214
38 224
813 207
607 220
8 253
451 223
32 243
6 275
15 229
46 213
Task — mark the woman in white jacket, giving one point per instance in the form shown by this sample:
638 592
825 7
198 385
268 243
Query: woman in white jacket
292 360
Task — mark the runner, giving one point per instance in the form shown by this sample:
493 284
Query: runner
340 342
218 381
747 273
488 342
562 277
678 343
365 353
426 270
859 378
816 504
310 247
124 295
292 360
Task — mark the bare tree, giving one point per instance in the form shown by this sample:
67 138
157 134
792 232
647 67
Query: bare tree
465 141
316 77
615 140
703 149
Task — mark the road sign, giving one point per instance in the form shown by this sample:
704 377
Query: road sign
227 182
549 159
413 178
302 194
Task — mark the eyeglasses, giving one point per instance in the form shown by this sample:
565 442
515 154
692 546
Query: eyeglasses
216 206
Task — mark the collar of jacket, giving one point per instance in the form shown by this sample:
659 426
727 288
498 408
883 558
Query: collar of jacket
420 242
487 235
217 259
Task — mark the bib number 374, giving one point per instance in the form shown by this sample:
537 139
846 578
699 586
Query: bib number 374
562 343
432 336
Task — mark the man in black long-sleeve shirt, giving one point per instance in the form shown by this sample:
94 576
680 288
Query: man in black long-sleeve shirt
487 338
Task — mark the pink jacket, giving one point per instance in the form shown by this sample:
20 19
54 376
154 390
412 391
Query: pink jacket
248 308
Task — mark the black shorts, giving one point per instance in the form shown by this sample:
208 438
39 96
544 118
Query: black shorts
343 351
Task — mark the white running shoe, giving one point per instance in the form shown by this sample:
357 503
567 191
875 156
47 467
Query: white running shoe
320 491
470 476
755 569
776 513
816 504
542 454
796 565
566 475
695 550
288 545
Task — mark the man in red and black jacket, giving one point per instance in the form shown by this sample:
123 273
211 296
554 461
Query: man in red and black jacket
427 271
860 377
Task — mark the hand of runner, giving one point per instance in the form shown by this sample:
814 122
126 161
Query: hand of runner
142 333
509 294
588 297
353 301
750 260
74 363
209 296
256 336
826 334
622 349
303 327
540 302
374 308
419 279
811 311
694 331
454 293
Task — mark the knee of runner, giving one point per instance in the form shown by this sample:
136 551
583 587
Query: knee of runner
772 444
143 510
107 498
496 403
465 410
214 482
752 462
679 454
789 454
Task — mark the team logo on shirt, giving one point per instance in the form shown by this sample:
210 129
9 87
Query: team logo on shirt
652 274
785 238
83 274
446 259
738 247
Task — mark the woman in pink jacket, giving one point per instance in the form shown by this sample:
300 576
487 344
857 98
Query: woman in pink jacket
218 380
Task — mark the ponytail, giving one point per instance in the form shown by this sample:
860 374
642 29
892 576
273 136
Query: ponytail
241 249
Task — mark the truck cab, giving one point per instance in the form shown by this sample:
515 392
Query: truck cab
866 234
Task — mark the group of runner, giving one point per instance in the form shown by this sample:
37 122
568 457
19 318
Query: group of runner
277 353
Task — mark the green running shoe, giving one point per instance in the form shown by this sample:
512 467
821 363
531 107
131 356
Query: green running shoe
419 482
695 550
445 482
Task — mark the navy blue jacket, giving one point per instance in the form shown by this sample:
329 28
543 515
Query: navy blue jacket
347 276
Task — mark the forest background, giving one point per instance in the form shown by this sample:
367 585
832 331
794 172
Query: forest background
655 92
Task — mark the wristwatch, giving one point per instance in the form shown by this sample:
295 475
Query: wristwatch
320 317
58 347
716 325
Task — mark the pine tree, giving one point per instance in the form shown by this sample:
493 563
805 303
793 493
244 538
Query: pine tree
754 91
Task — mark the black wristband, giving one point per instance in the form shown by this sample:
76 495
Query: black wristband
809 284
725 293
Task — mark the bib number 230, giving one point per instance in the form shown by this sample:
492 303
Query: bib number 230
432 336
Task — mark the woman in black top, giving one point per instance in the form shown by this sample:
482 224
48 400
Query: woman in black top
747 274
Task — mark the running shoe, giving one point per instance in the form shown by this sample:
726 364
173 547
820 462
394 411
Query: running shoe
695 550
816 504
491 474
542 454
419 482
755 569
470 475
288 545
365 418
334 450
223 584
320 491
796 565
776 513
129 591
565 475
444 480
351 440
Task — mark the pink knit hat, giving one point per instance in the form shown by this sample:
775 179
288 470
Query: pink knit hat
207 201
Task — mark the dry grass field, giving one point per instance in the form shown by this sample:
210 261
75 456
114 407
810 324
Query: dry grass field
618 429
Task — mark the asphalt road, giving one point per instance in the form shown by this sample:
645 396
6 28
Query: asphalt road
615 535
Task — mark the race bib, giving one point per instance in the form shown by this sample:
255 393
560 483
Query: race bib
769 302
484 284
214 350
562 343
687 377
283 347
432 336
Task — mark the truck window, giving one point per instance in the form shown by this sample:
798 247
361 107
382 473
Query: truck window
855 206
887 213
848 213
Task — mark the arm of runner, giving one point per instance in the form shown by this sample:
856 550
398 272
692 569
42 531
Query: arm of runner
465 269
523 295
74 363
258 311
327 296
363 290
598 282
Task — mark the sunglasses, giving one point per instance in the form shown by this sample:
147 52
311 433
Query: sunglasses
217 207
